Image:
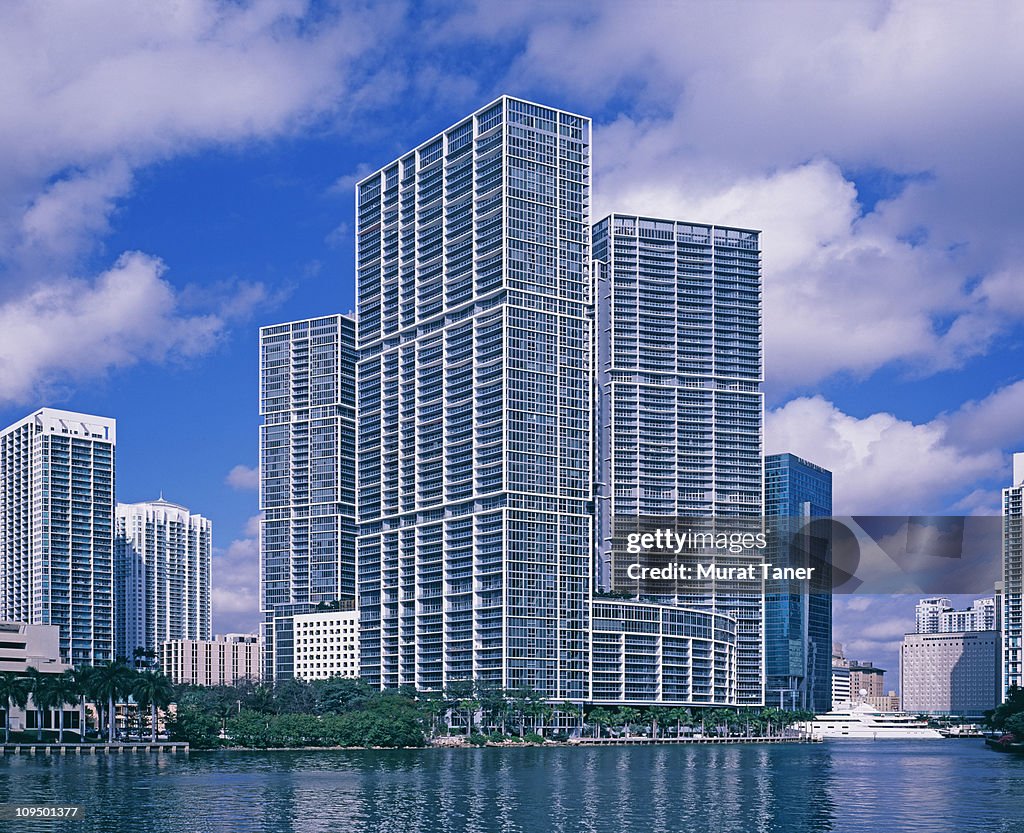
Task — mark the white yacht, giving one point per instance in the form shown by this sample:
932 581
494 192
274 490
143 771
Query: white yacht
859 721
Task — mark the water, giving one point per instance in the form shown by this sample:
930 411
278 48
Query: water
840 786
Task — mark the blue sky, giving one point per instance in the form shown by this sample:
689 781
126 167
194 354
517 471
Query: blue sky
171 179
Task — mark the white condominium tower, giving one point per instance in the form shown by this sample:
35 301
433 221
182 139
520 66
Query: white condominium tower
57 529
679 375
162 558
307 476
475 400
1013 575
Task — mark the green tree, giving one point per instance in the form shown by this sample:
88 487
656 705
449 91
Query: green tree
13 694
83 682
39 686
600 717
1012 705
1015 725
626 717
64 690
110 683
193 725
681 717
155 690
657 716
337 695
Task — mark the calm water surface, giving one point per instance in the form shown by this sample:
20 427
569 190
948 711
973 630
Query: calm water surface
955 786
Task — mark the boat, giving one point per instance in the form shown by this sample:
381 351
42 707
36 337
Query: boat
859 721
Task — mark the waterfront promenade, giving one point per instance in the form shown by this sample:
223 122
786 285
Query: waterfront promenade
91 748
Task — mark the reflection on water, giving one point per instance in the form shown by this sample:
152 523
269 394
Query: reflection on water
841 786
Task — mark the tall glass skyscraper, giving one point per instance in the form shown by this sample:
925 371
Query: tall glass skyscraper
475 398
679 428
1013 577
57 529
307 476
162 556
798 615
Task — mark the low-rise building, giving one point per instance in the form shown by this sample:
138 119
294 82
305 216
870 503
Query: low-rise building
326 644
867 681
24 646
950 673
224 660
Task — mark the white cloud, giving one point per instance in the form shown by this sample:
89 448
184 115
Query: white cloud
756 116
93 92
881 464
243 477
236 582
73 330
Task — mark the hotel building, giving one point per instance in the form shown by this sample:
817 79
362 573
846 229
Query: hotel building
57 529
1013 576
798 614
950 673
307 476
678 437
225 660
162 555
475 552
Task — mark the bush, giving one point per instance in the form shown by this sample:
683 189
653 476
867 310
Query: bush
533 737
196 727
476 739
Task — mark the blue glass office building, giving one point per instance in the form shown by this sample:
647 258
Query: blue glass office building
798 615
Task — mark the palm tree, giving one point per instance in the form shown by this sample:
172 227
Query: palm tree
600 717
627 715
84 676
112 681
13 693
63 690
153 689
680 716
657 715
38 685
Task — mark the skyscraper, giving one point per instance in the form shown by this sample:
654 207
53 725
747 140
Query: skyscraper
798 614
57 529
679 436
1013 575
307 476
162 556
475 372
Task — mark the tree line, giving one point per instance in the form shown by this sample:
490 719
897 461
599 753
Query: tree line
103 685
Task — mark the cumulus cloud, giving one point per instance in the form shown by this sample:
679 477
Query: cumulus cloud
881 464
73 330
785 117
236 582
93 92
243 477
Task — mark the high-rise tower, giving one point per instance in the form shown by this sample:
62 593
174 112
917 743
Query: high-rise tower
798 614
1013 576
307 477
474 466
57 529
679 438
162 556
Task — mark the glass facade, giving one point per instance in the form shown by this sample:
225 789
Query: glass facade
307 476
474 458
162 557
679 412
57 529
798 615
